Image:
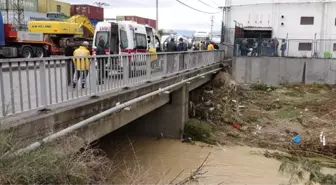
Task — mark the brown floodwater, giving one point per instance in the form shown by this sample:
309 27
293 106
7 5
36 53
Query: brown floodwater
144 160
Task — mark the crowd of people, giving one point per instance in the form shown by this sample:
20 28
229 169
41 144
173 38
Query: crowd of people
79 67
206 45
261 47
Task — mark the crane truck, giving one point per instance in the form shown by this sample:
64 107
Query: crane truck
44 37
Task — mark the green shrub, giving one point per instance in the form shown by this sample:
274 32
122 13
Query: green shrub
199 131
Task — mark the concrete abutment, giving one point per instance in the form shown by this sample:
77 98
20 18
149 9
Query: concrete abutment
168 120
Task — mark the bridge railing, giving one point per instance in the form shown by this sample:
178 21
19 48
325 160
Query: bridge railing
27 84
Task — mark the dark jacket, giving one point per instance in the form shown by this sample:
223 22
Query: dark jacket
171 46
100 48
69 50
182 47
216 46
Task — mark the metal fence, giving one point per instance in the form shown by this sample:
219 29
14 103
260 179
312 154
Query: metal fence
27 84
307 48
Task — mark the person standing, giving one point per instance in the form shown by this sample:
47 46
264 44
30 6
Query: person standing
182 46
101 61
68 51
201 45
82 64
283 47
171 46
216 46
211 46
206 43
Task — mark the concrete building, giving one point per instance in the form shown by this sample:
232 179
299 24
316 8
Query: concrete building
45 6
309 26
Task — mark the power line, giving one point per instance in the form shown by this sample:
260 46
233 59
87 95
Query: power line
206 4
197 9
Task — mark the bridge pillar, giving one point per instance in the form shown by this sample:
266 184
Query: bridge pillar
168 120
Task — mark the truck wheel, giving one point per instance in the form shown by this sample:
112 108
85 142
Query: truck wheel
39 53
27 52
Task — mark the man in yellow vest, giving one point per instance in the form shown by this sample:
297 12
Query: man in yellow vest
82 64
211 46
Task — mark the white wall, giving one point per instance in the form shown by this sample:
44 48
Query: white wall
28 16
269 15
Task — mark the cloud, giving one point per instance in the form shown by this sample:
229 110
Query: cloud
172 15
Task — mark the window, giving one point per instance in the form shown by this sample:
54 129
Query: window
307 21
305 46
334 49
123 39
140 41
102 35
58 8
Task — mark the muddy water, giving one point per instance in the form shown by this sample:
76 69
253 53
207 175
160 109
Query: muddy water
162 160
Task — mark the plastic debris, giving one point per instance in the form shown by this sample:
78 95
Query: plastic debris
208 102
235 125
324 141
208 92
297 139
212 109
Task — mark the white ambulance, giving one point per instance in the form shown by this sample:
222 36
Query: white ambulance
124 37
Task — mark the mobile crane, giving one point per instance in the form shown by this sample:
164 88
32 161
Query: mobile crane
45 37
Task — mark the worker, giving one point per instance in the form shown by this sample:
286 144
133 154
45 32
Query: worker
69 50
201 45
101 61
171 46
81 64
211 46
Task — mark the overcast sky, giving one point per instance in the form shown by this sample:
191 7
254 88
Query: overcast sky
172 14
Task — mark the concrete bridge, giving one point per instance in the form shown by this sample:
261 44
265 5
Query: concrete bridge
158 93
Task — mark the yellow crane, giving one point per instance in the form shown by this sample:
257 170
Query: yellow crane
58 28
58 23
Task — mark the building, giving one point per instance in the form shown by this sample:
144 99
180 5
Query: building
28 5
45 6
309 26
28 16
139 20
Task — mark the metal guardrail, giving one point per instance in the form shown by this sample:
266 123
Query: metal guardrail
28 84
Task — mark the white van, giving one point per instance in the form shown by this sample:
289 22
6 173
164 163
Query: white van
123 37
200 36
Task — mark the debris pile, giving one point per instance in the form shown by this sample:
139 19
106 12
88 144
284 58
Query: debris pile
288 117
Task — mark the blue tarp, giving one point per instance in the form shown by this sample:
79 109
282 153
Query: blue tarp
2 34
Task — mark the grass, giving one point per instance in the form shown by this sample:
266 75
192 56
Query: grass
48 165
199 131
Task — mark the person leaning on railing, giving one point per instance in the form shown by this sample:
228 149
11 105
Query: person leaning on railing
82 64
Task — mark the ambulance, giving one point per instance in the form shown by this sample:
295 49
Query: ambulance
125 37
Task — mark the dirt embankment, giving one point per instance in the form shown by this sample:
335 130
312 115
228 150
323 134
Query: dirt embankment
269 117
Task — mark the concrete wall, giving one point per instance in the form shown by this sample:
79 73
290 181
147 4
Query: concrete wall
277 70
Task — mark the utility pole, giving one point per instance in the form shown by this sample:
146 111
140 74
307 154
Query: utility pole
157 15
212 24
18 15
7 11
223 26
